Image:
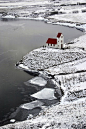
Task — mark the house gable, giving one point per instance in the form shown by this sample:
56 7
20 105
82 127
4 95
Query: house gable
59 35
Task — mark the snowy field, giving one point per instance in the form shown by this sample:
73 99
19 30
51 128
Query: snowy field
44 58
68 66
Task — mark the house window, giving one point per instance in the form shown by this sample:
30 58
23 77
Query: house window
51 44
61 41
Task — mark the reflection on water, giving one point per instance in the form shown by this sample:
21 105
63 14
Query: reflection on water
16 39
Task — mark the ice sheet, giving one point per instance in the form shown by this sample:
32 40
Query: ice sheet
38 81
32 105
46 93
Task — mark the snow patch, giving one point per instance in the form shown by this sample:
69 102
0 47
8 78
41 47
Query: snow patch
8 17
23 66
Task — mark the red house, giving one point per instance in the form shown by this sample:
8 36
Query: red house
57 42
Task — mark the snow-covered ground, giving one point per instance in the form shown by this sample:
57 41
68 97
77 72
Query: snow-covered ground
63 116
79 42
68 66
71 112
44 58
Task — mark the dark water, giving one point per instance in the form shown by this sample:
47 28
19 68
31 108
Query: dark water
16 39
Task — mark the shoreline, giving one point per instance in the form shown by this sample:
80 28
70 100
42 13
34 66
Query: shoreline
81 28
63 101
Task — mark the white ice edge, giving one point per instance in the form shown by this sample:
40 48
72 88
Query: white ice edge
23 66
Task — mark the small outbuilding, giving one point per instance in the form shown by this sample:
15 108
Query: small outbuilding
57 42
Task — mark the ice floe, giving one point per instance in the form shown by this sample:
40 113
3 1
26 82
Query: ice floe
38 81
12 120
32 105
46 93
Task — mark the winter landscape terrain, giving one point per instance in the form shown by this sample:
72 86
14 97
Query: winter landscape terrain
68 66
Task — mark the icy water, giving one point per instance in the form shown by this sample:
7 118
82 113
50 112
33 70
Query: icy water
16 39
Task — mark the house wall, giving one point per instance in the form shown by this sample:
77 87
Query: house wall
53 45
60 41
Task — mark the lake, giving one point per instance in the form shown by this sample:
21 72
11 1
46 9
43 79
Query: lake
17 38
